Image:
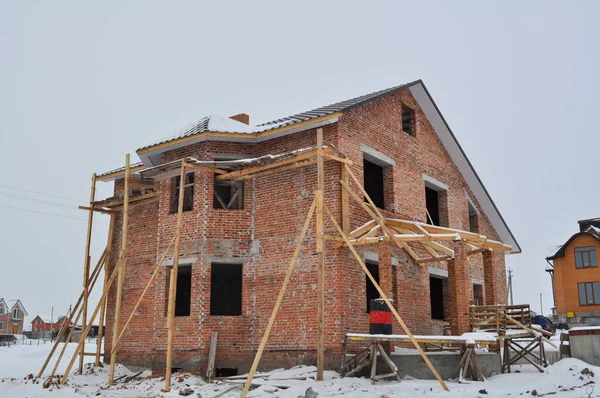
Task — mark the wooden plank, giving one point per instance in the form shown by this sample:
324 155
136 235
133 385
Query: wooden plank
320 256
431 260
284 285
79 312
86 261
373 362
390 306
89 326
294 166
374 213
256 169
204 168
212 353
118 202
121 275
337 158
97 209
173 283
513 320
141 184
69 320
345 202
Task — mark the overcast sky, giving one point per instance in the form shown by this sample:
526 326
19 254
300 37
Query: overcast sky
82 84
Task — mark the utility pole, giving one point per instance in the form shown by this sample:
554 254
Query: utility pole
51 323
510 286
541 305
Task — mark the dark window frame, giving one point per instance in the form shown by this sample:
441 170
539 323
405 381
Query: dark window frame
226 289
188 193
584 253
590 289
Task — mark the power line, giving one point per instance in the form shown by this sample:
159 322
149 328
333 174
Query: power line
42 193
42 201
49 214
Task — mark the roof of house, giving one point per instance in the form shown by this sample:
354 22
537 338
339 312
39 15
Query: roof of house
3 303
591 230
18 303
216 123
230 130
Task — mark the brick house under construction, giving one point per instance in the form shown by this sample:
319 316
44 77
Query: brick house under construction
238 235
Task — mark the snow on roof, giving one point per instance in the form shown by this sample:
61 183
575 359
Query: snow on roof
584 328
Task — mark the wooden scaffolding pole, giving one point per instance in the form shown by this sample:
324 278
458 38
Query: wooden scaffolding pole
284 285
320 254
173 281
86 262
67 323
95 275
79 348
121 277
111 229
387 301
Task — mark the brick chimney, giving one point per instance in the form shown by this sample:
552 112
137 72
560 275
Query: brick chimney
241 117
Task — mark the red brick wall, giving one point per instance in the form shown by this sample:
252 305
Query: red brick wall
263 234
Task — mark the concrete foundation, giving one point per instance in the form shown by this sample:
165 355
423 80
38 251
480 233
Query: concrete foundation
444 362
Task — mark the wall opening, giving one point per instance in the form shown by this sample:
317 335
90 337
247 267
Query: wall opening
436 203
408 120
183 295
436 296
372 292
226 289
228 194
373 183
188 193
478 294
226 372
473 219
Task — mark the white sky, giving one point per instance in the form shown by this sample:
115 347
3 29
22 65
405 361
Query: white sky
81 84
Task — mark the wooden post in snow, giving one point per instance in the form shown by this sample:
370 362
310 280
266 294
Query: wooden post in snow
86 261
121 274
320 253
173 280
111 229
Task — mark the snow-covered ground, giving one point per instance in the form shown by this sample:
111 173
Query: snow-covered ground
567 378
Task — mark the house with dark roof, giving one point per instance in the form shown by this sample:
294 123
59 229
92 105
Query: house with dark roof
12 318
573 267
239 231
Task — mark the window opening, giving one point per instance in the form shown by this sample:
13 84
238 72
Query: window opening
188 193
373 183
228 194
436 296
226 289
372 292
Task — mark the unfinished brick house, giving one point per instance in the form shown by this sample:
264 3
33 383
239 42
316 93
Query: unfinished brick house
239 232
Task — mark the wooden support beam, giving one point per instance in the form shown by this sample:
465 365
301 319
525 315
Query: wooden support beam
118 202
69 320
320 255
111 230
284 285
337 158
388 303
133 183
293 166
97 209
363 229
86 262
256 169
173 284
530 330
79 348
375 214
203 168
121 278
345 202
433 259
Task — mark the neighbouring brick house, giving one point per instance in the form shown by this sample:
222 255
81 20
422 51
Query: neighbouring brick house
12 318
40 324
575 276
237 239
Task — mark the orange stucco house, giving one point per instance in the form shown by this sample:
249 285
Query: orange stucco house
576 276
